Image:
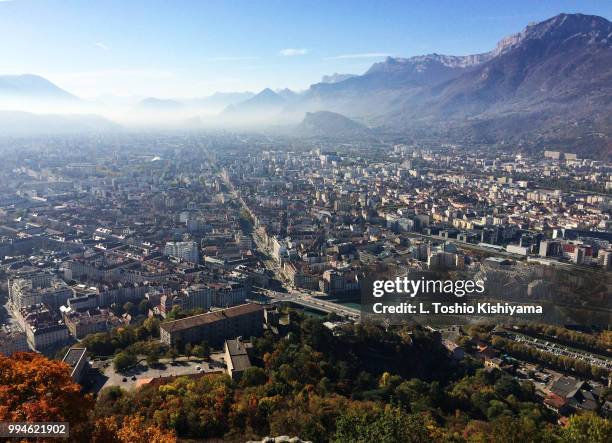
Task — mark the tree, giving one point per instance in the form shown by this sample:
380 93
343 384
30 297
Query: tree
188 350
124 360
172 354
152 359
506 429
36 389
132 429
144 306
202 350
587 428
141 333
130 308
254 377
107 399
387 426
151 324
117 309
175 314
99 343
497 408
506 386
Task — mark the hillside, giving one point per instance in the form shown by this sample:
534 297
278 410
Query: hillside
548 85
330 124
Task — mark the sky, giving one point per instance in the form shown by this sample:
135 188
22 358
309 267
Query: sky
192 48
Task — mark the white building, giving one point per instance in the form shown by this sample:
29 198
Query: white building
24 293
185 250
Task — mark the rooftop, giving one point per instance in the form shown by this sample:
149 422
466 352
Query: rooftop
238 353
74 355
210 317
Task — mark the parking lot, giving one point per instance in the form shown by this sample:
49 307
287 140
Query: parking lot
135 376
559 349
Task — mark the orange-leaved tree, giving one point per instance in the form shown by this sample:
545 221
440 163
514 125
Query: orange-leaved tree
36 389
131 430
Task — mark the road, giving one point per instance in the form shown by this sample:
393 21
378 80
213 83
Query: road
292 294
312 302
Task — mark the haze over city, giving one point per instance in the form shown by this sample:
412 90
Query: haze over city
306 221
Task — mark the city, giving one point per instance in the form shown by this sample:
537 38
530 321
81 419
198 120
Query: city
417 251
151 237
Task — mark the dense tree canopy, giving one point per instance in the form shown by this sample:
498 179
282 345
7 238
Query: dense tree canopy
34 388
346 388
360 385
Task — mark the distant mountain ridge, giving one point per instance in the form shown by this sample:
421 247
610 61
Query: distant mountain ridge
18 123
158 104
220 100
552 82
547 85
335 77
330 124
31 86
265 105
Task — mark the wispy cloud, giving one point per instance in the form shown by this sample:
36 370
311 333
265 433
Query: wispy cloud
289 52
231 58
102 46
362 55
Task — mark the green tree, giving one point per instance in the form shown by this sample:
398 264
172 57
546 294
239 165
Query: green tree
391 425
506 386
144 306
587 428
152 359
172 354
175 314
99 343
151 324
254 377
124 360
201 350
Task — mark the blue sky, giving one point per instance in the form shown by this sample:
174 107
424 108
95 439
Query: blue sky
183 48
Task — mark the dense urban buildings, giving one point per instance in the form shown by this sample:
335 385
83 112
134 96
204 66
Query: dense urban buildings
185 245
412 249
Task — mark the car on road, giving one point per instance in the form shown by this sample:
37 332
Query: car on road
133 377
124 379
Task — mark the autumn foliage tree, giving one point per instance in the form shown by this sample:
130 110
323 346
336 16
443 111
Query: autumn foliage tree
132 429
36 389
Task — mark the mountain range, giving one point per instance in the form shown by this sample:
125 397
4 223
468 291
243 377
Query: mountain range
548 86
19 123
213 103
29 86
330 124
